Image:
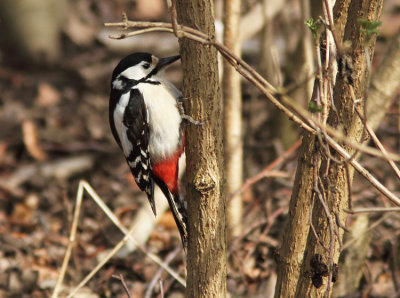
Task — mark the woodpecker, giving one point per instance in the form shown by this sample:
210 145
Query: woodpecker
147 121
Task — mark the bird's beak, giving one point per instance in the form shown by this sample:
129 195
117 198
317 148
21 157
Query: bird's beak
163 62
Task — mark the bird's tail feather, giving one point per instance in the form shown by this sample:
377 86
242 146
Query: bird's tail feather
178 209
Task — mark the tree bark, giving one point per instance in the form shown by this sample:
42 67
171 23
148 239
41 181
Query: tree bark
384 83
334 178
205 193
297 227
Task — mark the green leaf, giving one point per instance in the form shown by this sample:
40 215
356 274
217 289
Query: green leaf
369 28
313 26
314 108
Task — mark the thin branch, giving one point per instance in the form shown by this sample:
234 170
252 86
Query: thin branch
316 127
121 278
267 170
174 18
367 175
71 242
157 276
372 226
332 26
377 142
372 210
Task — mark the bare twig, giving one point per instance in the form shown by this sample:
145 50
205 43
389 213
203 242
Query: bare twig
373 210
121 278
340 225
267 170
367 175
371 227
311 223
161 289
316 193
348 181
376 141
71 243
332 29
232 102
174 18
157 276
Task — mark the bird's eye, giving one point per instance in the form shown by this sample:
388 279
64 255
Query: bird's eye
146 65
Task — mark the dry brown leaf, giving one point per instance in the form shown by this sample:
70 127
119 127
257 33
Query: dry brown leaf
47 275
47 95
252 273
18 235
3 149
30 137
21 214
383 287
247 195
167 221
55 227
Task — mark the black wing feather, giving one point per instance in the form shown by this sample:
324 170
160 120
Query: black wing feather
138 132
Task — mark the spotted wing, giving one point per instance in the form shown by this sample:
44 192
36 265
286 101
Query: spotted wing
138 134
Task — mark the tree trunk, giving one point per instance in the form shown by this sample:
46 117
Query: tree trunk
297 227
334 178
205 193
382 89
232 93
293 282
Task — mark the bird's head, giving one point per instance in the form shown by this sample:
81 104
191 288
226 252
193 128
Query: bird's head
140 66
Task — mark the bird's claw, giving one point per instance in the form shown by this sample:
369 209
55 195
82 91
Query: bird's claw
185 117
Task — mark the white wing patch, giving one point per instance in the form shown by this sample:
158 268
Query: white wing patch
137 160
118 123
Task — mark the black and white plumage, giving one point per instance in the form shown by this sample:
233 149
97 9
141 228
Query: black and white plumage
147 124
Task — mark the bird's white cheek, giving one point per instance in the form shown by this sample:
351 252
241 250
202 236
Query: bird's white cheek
117 84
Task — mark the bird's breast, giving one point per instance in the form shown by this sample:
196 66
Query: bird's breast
164 120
